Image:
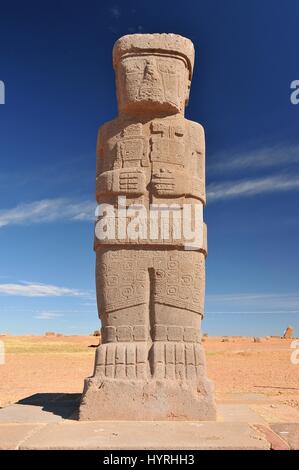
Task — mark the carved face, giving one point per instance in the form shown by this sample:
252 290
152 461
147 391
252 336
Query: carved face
156 82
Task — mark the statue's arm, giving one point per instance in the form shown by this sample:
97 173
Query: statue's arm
196 183
118 181
188 182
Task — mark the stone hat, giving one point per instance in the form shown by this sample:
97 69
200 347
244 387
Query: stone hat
166 42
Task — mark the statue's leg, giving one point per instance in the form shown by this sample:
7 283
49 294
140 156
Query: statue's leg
178 284
122 291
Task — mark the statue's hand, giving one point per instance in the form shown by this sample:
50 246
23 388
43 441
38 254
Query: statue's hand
122 181
129 181
166 182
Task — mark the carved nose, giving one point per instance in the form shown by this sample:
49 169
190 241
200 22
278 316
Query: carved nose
150 71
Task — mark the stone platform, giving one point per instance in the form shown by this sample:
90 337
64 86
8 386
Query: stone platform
49 421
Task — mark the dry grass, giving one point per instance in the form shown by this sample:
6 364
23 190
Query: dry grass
23 345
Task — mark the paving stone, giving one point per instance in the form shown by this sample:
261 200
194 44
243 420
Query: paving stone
12 435
238 414
289 432
122 435
276 412
27 414
245 398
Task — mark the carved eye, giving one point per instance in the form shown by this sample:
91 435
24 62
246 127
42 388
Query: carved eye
167 67
133 66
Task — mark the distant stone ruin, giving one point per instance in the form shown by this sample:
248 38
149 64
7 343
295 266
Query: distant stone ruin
288 333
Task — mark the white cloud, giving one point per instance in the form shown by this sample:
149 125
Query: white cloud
47 315
262 158
38 290
47 210
252 187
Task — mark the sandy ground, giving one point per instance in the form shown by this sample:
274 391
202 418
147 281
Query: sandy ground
238 366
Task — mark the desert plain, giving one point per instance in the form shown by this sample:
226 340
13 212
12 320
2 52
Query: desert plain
242 370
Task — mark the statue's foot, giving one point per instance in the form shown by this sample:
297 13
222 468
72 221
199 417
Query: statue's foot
177 361
151 398
122 360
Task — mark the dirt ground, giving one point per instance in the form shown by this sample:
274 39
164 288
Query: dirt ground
237 365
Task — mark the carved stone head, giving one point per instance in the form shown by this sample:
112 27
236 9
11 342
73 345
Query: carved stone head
153 72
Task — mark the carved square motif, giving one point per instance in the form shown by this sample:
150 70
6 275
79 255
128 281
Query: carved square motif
127 291
158 127
186 280
159 149
139 333
175 333
190 334
172 290
124 333
133 130
110 334
112 280
130 149
160 333
141 276
173 277
185 293
174 264
179 131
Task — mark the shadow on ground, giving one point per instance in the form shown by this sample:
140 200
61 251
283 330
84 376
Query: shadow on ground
65 405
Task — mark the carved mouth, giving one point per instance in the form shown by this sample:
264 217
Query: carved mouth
151 103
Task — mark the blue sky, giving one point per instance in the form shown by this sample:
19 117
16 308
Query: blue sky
55 61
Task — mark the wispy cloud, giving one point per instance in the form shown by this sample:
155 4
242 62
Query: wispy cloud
89 304
261 158
265 302
47 315
38 290
47 210
252 187
115 11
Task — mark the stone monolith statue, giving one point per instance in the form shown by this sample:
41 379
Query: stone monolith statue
150 286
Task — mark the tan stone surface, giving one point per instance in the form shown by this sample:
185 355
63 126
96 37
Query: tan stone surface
150 291
238 413
13 435
16 414
277 412
111 435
